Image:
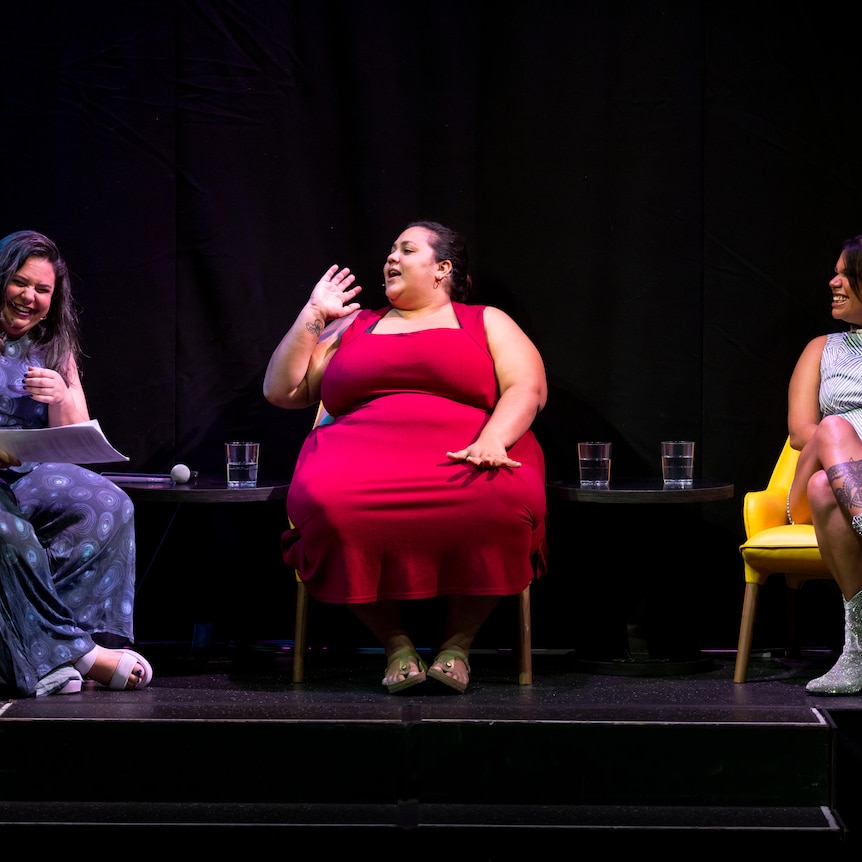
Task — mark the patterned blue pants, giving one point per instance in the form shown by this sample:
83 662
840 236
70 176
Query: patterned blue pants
67 568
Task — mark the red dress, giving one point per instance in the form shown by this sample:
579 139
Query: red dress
379 511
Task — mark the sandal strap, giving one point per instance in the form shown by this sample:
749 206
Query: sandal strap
450 655
405 657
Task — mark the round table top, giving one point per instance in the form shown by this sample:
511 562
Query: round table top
202 489
640 491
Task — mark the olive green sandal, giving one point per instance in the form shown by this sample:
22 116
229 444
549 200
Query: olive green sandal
405 657
446 658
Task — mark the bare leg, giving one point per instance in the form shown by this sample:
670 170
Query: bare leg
840 546
836 448
841 549
383 620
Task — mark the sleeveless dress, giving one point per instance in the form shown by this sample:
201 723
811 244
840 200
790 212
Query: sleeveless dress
67 548
841 377
378 510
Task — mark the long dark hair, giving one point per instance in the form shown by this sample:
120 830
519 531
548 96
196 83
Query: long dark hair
57 336
448 244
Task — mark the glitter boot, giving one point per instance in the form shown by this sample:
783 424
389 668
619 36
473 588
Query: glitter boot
846 675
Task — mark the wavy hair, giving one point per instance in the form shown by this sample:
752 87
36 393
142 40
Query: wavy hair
57 336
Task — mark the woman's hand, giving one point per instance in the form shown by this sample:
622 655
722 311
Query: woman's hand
332 295
45 385
484 455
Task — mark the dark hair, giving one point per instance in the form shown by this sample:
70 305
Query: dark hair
449 245
57 335
852 251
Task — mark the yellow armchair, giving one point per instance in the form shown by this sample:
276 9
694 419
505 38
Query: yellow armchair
773 546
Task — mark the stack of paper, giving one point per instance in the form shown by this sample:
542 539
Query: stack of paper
81 443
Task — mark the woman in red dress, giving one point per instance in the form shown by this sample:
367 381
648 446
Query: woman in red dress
425 479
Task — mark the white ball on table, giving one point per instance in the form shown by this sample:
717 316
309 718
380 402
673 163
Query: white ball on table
180 474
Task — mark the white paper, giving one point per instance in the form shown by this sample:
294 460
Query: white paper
81 443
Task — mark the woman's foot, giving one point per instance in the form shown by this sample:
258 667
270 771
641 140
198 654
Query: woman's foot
451 668
403 669
118 669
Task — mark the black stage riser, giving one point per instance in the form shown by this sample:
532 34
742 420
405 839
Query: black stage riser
497 779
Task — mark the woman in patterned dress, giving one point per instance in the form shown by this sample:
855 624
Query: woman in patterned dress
67 540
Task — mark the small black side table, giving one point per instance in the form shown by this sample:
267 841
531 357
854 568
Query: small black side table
639 659
628 491
201 490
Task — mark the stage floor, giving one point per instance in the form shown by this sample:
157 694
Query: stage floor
255 682
224 741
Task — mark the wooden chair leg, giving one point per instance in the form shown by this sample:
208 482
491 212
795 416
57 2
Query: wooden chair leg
746 631
300 632
525 639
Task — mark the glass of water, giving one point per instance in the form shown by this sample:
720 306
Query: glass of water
241 460
594 464
677 463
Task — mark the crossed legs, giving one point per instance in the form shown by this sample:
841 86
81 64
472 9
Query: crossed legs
830 473
827 492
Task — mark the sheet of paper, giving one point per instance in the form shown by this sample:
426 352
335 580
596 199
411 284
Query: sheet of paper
82 443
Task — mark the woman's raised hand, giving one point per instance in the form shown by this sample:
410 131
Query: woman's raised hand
332 295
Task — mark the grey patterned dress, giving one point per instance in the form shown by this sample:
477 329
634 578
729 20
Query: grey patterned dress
67 549
841 377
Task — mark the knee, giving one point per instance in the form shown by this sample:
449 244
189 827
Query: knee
820 493
836 431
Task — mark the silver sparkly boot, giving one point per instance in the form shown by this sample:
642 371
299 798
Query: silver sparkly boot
846 675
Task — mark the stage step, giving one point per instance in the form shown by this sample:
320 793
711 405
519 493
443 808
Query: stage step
505 781
502 830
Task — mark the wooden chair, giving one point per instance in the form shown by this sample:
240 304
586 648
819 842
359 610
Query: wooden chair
773 546
300 636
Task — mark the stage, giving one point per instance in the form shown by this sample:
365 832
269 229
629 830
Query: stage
223 747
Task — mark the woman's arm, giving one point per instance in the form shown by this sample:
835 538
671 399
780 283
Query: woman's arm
803 417
803 395
523 392
296 366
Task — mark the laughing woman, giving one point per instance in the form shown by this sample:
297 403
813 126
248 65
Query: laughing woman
825 424
67 540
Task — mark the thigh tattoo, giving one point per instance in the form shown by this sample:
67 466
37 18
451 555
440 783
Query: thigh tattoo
848 494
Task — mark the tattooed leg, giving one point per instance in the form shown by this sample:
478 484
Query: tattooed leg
846 482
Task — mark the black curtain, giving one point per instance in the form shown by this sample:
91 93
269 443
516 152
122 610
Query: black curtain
654 190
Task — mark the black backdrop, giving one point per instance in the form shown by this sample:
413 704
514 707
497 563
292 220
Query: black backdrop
654 190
